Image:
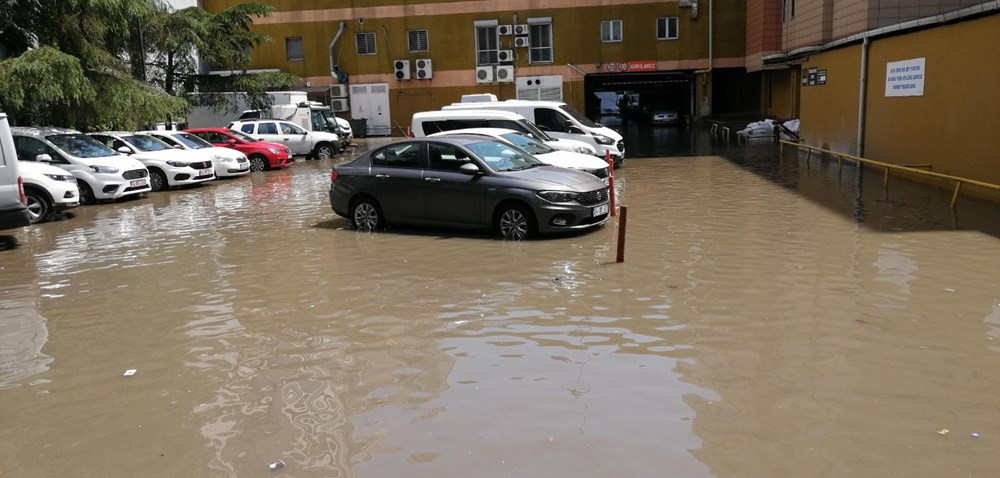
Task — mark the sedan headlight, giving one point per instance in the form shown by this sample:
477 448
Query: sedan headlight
274 150
60 177
104 169
583 150
222 159
178 164
558 196
600 138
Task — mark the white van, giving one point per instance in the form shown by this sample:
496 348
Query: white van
557 119
429 122
13 212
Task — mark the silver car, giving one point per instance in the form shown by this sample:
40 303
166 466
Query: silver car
466 182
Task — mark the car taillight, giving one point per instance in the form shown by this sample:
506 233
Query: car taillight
20 190
333 177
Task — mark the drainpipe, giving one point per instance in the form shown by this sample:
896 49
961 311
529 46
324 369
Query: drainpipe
333 42
862 96
711 38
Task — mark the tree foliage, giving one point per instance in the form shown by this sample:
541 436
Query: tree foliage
92 64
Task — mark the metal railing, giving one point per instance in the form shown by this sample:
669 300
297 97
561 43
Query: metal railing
907 168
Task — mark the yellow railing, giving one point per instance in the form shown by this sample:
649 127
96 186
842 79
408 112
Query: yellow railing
909 168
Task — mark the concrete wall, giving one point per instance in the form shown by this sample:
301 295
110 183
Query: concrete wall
781 93
951 125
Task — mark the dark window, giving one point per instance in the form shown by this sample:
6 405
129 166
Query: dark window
446 158
611 31
549 119
418 40
541 43
365 43
293 49
666 28
487 44
505 124
267 128
405 155
28 149
247 128
289 128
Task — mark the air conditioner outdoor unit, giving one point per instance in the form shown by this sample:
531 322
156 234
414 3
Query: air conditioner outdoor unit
520 29
504 29
425 70
402 69
484 74
505 74
521 42
684 3
505 56
338 91
339 105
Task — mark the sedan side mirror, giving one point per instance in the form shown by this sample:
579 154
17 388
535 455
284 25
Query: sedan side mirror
43 158
125 150
470 168
231 142
575 130
177 146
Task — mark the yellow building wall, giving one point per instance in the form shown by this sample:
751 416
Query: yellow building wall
951 125
781 94
829 113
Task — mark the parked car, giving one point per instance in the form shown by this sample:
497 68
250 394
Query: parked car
564 159
48 190
100 172
426 123
228 162
13 211
465 181
664 117
262 154
311 144
168 167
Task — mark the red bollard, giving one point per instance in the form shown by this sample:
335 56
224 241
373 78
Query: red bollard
622 224
611 180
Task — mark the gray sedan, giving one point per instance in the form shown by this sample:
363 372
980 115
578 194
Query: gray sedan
465 182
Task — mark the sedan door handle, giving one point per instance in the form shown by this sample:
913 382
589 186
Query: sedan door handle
433 180
382 176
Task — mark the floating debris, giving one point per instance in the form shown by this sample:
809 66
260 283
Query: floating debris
276 465
128 373
943 431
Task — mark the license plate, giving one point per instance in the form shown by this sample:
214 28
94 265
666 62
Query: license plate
137 182
204 172
599 210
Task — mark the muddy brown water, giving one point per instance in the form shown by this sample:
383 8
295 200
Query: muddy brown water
754 330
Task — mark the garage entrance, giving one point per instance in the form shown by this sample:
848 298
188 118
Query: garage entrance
636 96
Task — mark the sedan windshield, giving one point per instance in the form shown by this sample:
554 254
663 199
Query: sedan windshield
146 143
527 143
242 135
191 141
81 146
503 157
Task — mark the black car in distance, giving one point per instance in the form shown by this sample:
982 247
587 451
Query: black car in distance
468 182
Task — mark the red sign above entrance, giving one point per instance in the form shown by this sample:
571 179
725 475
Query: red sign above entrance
631 66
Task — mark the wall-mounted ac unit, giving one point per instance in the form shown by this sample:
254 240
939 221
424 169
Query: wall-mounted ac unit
339 105
504 29
505 74
484 74
505 56
520 29
521 42
338 91
684 3
425 70
402 69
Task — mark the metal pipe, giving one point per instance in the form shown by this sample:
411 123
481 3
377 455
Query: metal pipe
333 42
711 45
862 96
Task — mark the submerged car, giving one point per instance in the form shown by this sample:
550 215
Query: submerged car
664 117
228 162
466 181
167 166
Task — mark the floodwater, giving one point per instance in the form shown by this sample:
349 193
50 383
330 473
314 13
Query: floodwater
770 319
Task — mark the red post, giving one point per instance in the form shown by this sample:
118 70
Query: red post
622 224
611 180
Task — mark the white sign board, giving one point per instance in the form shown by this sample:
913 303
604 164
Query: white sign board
905 78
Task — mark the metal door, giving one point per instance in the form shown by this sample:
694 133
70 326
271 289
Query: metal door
371 102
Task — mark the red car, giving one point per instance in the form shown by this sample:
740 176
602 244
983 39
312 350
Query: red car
262 154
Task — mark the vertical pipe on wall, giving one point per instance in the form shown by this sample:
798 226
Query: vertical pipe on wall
333 66
862 94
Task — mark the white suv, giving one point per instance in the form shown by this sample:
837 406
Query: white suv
228 162
48 190
311 144
168 167
100 172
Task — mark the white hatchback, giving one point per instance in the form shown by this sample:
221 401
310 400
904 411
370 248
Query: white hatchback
48 190
168 167
228 162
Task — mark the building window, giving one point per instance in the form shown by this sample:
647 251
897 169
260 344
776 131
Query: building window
418 40
365 43
293 49
487 42
540 40
666 28
611 31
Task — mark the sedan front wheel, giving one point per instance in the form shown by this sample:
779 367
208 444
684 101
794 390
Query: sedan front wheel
366 215
515 222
